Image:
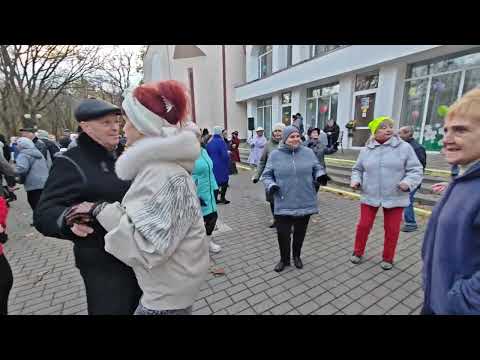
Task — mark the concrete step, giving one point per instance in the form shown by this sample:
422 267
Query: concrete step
346 172
420 198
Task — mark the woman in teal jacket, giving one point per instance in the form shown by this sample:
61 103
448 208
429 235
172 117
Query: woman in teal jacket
206 185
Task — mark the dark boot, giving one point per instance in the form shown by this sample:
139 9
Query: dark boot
279 267
223 191
215 192
298 262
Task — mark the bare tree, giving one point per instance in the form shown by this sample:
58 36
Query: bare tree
33 76
116 74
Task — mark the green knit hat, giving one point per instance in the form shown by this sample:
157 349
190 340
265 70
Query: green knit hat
375 123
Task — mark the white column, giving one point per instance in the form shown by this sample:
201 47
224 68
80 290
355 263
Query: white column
345 103
276 109
296 101
390 91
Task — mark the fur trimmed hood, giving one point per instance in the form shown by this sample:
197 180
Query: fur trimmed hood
182 148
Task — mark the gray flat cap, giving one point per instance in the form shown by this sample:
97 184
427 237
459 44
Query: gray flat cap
91 109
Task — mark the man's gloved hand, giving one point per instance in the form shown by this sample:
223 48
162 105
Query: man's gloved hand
255 180
202 202
79 214
322 180
83 213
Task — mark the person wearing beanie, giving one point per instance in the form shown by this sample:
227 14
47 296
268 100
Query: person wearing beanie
387 169
204 179
52 148
289 177
31 169
320 149
277 132
218 152
87 173
257 144
157 228
450 250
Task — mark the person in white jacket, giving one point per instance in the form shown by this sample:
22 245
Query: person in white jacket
158 228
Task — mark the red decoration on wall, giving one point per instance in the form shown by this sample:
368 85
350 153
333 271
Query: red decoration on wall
323 109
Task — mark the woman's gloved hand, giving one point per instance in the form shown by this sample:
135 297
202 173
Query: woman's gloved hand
322 180
273 189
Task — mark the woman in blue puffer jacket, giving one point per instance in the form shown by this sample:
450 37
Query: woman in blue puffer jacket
204 179
290 176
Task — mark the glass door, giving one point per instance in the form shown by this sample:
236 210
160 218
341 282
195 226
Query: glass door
323 111
364 106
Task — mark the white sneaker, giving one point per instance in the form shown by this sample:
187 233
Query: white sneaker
214 248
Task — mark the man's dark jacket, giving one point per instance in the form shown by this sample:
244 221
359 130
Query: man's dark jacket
83 173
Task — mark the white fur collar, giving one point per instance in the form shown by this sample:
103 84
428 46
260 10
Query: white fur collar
182 148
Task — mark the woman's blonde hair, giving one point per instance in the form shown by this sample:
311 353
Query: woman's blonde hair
467 106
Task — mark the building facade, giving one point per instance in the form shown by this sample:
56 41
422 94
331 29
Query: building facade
410 83
211 73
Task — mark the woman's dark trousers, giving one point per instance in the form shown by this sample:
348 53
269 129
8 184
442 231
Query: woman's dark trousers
284 229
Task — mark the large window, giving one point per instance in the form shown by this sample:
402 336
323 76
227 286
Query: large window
264 115
430 86
322 103
265 61
286 108
318 50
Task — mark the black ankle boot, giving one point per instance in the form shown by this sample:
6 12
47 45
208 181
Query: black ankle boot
298 262
280 266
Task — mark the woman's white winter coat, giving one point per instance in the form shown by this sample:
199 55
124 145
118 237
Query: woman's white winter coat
158 228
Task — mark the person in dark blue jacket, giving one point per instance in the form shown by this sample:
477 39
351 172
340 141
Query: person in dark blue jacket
406 134
218 152
451 247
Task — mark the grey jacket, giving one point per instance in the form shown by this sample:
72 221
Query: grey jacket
295 172
271 145
31 166
381 167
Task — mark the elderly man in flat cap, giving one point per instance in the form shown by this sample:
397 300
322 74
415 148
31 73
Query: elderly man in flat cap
87 173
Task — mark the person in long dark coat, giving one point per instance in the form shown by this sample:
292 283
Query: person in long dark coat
218 152
87 173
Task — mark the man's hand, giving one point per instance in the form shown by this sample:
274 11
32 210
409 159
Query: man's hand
438 188
81 230
404 187
79 213
255 180
2 229
355 185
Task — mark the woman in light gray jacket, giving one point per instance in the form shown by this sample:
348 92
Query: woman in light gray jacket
290 177
32 169
386 170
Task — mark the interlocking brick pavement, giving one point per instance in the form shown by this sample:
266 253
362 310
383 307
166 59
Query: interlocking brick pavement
46 281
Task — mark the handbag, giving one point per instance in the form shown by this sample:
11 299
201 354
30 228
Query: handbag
3 238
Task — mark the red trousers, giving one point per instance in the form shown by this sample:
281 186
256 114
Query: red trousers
392 220
3 217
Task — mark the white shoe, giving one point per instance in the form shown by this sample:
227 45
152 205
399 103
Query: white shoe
214 248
